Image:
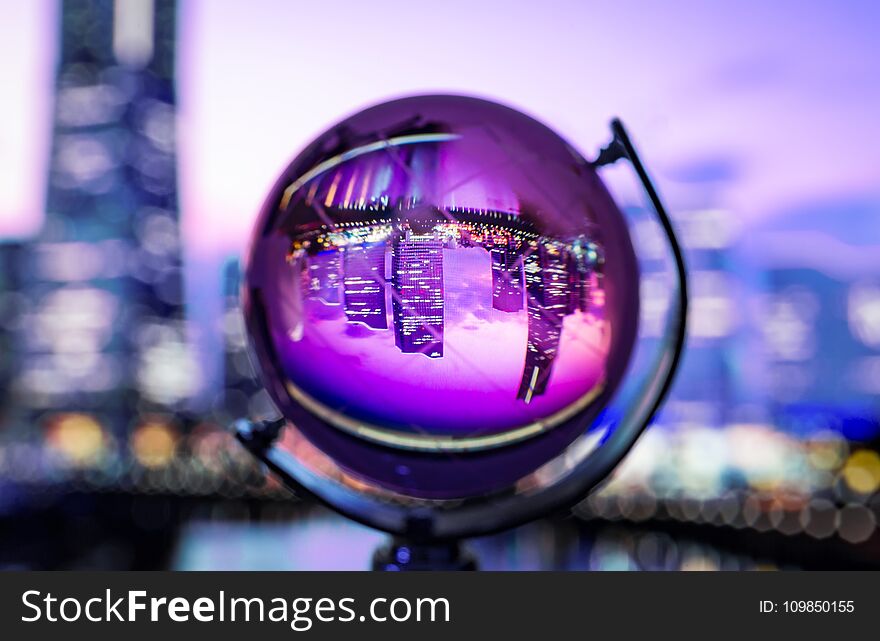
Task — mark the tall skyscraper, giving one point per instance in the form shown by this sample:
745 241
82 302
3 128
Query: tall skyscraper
418 300
104 332
240 384
10 310
325 275
547 289
583 259
364 284
507 277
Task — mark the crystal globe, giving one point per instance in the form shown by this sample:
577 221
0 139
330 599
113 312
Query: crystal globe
442 297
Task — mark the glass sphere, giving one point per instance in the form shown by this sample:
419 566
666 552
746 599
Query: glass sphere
442 296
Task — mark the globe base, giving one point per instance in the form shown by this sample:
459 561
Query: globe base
401 555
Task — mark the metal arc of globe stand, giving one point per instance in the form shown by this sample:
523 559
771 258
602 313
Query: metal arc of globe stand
409 551
621 146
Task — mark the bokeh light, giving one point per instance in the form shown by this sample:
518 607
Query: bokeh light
79 438
154 443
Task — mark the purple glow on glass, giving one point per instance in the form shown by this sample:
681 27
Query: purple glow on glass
473 387
441 273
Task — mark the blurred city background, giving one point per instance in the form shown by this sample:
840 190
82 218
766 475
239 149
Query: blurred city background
138 138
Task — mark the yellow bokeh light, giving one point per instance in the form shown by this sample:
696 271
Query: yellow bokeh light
79 438
827 453
862 471
154 444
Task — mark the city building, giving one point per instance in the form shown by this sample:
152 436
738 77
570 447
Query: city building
241 387
547 294
507 277
10 313
418 299
325 275
103 331
364 284
584 259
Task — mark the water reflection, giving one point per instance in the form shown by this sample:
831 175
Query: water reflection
323 541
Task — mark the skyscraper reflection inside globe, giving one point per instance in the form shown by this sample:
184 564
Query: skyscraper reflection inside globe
441 274
446 284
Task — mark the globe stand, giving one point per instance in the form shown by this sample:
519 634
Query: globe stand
402 555
431 536
399 554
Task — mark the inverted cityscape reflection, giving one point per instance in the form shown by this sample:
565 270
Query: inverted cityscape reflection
443 286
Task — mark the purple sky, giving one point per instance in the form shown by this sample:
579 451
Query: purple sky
751 107
750 93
